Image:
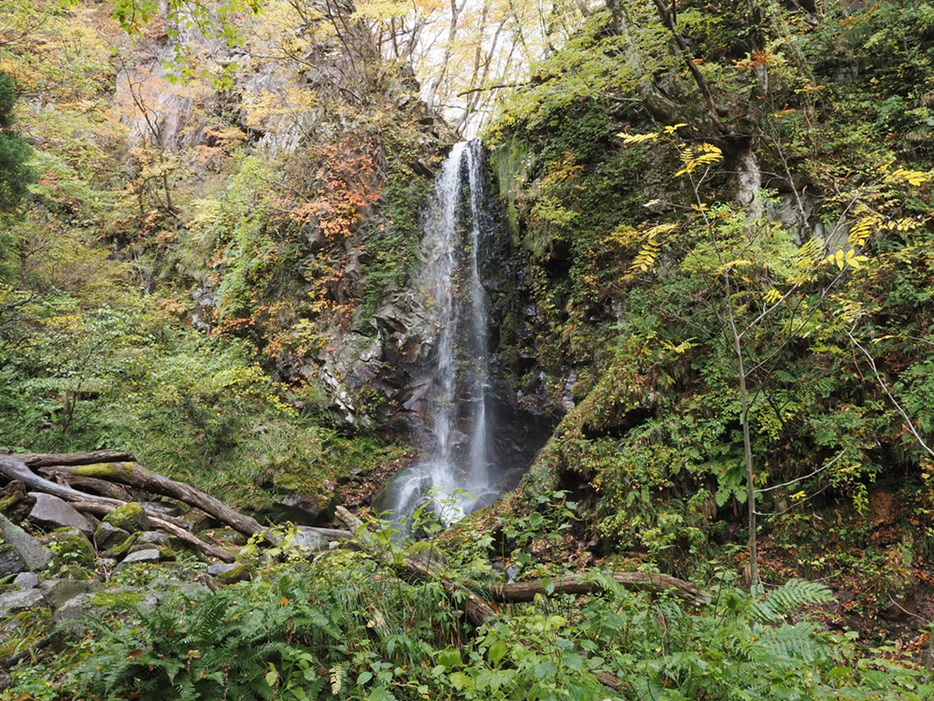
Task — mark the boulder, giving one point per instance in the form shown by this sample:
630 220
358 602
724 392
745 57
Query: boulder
18 600
108 536
72 549
53 512
220 568
58 592
238 573
70 617
309 540
11 562
33 553
166 554
153 538
26 580
130 517
147 555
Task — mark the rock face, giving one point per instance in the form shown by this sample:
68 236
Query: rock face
33 553
53 512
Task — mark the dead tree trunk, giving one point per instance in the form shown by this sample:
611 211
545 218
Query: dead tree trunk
132 474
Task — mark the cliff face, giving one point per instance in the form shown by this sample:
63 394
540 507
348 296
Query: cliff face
214 264
218 260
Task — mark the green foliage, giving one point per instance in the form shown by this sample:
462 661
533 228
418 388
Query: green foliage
343 628
631 250
15 173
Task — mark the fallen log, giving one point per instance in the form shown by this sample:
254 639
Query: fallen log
480 608
476 609
14 468
132 474
165 525
97 456
583 583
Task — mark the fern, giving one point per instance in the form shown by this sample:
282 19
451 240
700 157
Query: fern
789 598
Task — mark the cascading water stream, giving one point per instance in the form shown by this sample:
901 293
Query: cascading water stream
455 471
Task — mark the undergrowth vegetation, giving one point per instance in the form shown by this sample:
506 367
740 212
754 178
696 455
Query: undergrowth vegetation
344 627
756 264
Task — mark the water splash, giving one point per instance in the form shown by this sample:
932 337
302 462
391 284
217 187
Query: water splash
454 475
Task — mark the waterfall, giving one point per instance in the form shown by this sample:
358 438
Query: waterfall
454 472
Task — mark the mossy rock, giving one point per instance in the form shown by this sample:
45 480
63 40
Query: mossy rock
118 551
130 517
11 562
72 552
108 536
224 536
165 552
239 572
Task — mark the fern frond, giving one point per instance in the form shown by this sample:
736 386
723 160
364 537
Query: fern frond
790 597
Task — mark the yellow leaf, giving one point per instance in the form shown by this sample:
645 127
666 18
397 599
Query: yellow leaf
772 296
629 139
912 177
729 265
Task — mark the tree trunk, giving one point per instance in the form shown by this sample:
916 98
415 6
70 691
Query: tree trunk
747 443
135 475
585 584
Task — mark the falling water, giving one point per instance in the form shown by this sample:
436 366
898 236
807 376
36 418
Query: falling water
454 472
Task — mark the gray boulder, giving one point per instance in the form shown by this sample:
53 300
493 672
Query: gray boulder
58 592
153 538
108 536
148 555
54 512
18 600
307 539
26 580
11 562
73 613
33 553
220 568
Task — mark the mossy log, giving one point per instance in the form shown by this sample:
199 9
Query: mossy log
15 468
480 608
132 474
517 592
